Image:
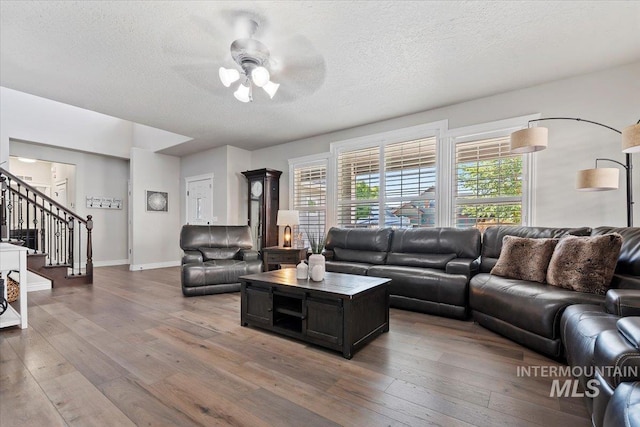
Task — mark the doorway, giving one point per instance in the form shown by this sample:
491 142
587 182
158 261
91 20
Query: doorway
199 209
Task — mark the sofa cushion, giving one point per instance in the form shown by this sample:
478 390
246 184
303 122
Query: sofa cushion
524 258
194 237
359 245
531 306
420 260
424 283
359 268
219 253
585 264
462 243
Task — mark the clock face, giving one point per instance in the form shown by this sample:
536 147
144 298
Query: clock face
256 189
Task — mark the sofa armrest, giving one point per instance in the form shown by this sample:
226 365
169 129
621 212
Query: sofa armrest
328 255
466 266
623 302
192 256
248 255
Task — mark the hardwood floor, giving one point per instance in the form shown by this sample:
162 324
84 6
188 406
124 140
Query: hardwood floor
131 350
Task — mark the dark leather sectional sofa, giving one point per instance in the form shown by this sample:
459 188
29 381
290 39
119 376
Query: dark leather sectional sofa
447 272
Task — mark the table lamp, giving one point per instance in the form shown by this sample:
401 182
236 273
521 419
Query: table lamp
287 218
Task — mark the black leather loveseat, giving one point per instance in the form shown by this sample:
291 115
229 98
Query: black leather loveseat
430 268
214 258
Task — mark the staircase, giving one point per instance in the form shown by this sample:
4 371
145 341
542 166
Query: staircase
53 233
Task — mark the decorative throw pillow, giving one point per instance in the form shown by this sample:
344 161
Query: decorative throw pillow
585 264
524 258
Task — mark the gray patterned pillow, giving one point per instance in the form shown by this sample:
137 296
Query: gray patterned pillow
585 264
524 258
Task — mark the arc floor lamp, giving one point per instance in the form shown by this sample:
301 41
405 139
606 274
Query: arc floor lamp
532 139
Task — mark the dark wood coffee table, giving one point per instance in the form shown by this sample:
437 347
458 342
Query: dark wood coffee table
343 312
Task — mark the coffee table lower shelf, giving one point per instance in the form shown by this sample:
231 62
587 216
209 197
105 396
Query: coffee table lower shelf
342 313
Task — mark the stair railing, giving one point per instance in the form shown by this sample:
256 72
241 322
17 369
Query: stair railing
44 225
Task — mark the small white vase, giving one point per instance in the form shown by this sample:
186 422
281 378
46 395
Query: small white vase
302 271
316 260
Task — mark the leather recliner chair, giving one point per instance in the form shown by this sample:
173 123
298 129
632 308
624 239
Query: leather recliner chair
215 257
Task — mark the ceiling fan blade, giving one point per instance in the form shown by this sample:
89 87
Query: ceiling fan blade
203 76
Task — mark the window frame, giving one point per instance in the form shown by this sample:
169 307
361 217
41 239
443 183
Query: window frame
483 131
380 141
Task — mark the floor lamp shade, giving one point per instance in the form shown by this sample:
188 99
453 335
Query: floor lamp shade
529 140
631 139
598 179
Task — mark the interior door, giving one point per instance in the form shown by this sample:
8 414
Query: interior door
200 201
60 193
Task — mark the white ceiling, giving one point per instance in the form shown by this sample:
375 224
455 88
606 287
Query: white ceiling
340 63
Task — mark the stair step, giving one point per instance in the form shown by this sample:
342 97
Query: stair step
36 282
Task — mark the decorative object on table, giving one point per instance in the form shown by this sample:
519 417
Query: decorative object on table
302 271
13 287
3 301
316 259
157 201
287 218
532 139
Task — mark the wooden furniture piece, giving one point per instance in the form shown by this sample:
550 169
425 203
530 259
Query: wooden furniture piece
274 255
343 312
14 257
264 201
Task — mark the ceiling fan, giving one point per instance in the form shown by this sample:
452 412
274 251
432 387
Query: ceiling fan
252 56
290 66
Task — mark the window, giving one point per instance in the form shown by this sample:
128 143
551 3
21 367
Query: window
488 188
310 197
389 185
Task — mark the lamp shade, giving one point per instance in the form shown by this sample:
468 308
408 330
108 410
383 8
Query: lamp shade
598 179
529 140
286 217
243 94
631 139
271 88
228 75
260 76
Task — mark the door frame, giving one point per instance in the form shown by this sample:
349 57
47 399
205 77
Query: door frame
189 180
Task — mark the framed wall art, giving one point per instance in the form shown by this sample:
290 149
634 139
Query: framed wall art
157 201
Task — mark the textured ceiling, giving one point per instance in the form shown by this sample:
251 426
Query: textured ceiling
340 63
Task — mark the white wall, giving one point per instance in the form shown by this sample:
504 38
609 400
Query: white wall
31 118
97 176
229 185
155 236
611 97
155 139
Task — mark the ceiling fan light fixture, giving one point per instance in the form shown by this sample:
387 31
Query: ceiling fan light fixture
243 93
271 88
228 75
260 76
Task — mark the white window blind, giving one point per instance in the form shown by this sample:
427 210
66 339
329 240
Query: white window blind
488 187
410 183
310 198
402 196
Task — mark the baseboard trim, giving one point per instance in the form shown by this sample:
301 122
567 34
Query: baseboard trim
110 262
138 267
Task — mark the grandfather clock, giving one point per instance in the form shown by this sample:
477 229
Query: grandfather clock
264 201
